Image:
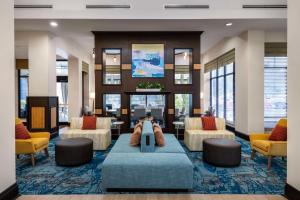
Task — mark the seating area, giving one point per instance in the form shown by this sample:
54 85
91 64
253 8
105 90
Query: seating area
149 100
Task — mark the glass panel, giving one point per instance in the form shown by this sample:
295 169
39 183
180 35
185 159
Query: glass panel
221 97
23 92
220 71
183 104
214 73
112 104
275 90
62 93
229 68
214 93
137 101
62 68
112 66
183 65
155 101
229 99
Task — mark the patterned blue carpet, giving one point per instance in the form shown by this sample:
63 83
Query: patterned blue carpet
251 177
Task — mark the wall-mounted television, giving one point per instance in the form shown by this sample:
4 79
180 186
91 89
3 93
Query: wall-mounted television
148 60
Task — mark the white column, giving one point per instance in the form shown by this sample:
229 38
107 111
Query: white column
293 162
74 87
42 65
255 72
7 92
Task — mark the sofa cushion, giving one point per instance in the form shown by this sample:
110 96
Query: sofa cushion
262 144
89 123
208 123
39 142
279 133
21 132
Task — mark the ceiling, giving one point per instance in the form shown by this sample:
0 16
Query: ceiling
215 30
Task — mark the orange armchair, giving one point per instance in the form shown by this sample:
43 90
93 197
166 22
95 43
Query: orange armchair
39 141
260 143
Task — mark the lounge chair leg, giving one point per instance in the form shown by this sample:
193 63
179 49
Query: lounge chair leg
282 158
269 162
46 152
253 154
18 156
32 160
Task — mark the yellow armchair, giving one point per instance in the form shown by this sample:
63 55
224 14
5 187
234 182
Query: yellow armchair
260 143
39 141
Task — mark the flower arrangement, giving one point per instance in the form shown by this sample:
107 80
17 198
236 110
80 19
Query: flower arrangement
150 86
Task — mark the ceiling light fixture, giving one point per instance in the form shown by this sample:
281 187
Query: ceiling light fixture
53 24
229 24
115 59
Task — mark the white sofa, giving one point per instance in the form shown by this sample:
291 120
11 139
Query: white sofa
101 136
194 134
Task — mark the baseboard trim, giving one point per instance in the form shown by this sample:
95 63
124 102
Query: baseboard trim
237 133
10 193
291 193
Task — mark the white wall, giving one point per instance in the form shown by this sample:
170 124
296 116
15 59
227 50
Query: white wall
74 87
293 162
249 85
42 64
7 94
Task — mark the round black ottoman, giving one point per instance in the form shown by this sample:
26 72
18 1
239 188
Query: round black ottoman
73 151
222 152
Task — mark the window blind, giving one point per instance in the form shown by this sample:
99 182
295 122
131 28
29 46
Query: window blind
278 49
222 60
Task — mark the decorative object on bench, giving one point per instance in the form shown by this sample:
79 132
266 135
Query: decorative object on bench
135 138
147 138
73 151
263 143
222 152
101 136
30 143
168 167
210 112
194 133
158 134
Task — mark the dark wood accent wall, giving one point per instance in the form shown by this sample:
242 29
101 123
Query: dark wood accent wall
42 114
124 41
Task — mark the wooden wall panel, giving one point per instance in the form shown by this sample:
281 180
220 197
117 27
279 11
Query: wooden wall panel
124 41
37 117
53 117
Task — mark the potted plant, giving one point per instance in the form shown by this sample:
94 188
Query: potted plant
210 112
149 87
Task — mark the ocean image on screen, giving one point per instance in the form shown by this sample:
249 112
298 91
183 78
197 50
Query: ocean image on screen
148 60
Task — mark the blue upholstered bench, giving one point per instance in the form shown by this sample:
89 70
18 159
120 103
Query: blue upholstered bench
167 167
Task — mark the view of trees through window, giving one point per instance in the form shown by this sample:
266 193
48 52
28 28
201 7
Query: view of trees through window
183 103
62 89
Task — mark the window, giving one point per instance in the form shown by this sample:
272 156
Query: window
183 105
112 104
112 66
183 64
23 92
62 89
275 90
222 91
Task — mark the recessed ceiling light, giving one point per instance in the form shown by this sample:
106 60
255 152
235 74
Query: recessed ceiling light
53 24
229 24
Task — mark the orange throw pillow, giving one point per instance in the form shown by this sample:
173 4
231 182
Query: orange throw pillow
21 132
89 123
159 136
135 137
279 133
209 123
